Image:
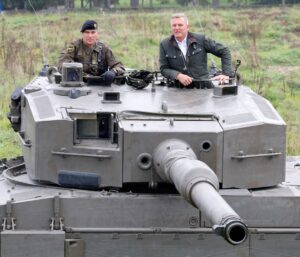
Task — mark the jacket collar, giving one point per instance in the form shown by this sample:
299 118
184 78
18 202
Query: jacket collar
189 39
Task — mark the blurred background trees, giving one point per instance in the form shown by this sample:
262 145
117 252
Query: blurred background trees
135 4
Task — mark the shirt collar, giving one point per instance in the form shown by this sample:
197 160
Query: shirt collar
182 42
93 48
189 38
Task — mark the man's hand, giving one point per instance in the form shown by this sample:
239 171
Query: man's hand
184 79
222 79
119 71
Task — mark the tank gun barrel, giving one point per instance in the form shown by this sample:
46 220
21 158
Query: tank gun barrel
177 163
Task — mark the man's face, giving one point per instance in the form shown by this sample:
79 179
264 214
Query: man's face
90 37
179 28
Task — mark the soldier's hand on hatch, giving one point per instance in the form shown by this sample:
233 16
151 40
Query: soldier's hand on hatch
119 71
184 79
222 79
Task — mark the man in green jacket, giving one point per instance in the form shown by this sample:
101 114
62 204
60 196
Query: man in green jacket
183 56
96 57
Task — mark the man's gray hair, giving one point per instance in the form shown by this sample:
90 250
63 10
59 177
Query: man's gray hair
180 15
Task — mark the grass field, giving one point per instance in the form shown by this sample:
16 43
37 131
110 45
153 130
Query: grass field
266 40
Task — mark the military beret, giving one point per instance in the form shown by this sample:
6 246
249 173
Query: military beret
89 24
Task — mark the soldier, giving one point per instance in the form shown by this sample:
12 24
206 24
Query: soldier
183 56
96 57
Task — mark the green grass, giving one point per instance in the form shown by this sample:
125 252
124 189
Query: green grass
272 68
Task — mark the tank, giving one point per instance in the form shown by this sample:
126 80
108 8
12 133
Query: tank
144 171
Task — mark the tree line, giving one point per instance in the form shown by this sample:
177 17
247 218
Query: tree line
133 4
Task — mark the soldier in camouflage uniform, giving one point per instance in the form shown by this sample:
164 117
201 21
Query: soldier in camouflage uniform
96 57
183 56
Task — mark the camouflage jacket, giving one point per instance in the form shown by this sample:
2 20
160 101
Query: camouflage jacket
95 60
173 62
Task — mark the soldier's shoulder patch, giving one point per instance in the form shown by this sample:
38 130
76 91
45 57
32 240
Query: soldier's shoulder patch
71 49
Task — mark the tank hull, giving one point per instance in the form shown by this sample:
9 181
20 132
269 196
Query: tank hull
52 221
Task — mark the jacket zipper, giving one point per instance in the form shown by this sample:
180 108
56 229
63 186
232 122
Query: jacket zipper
183 59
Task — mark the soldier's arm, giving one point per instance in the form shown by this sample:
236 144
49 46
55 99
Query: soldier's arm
220 51
66 55
110 59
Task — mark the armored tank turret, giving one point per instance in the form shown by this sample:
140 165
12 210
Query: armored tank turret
152 170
